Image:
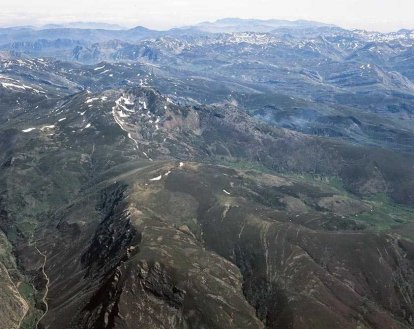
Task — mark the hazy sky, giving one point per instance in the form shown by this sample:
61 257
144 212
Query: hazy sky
383 15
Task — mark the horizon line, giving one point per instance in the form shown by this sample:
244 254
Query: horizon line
119 27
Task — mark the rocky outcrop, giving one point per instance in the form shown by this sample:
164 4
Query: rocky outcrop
13 306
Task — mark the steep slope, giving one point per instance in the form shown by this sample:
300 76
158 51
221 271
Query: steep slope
13 306
125 208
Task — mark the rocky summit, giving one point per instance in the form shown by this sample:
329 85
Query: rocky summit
236 174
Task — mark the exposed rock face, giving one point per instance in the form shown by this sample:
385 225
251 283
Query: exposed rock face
113 236
13 306
154 276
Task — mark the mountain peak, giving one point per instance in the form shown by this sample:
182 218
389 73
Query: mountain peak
140 29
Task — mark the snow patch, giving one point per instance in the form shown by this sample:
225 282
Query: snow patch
90 100
147 156
127 101
12 85
156 178
122 114
99 68
47 127
28 130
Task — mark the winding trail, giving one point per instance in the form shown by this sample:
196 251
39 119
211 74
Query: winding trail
46 287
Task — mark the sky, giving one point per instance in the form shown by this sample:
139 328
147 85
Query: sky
375 15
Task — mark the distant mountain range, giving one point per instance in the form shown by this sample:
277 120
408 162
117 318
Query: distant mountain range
228 25
84 25
322 65
224 25
99 32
